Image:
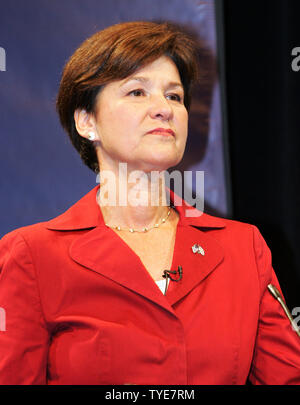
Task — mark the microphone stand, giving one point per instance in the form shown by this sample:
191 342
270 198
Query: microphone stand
276 294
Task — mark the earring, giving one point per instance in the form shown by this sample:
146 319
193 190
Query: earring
91 136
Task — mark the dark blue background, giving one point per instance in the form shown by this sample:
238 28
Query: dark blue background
41 173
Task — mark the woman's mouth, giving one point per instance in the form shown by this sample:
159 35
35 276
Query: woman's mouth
162 131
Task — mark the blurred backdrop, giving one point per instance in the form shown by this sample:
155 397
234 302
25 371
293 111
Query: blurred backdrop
41 173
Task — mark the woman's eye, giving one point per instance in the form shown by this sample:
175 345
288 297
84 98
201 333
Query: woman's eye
141 92
175 97
136 93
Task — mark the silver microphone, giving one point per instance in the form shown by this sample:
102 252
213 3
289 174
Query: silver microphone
276 294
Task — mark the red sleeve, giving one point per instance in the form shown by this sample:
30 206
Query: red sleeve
276 359
23 333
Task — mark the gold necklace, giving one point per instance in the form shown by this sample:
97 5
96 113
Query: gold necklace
145 229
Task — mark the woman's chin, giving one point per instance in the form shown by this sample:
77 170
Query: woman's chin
160 163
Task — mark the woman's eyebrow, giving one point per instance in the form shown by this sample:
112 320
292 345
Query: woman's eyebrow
146 80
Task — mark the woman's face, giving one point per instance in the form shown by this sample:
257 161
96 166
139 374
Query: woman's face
127 110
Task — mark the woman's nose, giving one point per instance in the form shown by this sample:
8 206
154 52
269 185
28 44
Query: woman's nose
160 108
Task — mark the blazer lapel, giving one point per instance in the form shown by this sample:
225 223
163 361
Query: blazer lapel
104 252
101 250
195 266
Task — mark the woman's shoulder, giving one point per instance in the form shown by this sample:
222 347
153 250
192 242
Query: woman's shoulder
190 215
233 235
24 235
213 222
83 214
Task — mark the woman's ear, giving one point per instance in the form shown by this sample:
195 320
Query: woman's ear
85 124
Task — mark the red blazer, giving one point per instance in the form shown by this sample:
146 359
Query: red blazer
82 309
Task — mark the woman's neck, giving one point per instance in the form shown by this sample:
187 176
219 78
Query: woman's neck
132 199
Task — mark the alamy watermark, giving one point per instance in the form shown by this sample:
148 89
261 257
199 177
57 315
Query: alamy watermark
296 321
143 189
2 60
296 61
2 320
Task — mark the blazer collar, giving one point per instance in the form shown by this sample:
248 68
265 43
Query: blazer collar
102 251
96 250
86 214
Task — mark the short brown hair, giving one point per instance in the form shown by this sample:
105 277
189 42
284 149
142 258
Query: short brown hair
114 54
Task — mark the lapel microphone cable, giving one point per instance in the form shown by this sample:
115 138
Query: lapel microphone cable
167 274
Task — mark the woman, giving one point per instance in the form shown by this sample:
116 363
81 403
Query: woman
82 291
